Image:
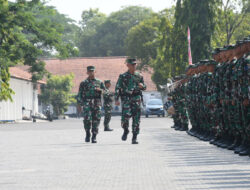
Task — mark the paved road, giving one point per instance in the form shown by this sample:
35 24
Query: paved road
54 156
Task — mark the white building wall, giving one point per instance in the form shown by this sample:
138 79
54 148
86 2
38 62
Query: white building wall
24 96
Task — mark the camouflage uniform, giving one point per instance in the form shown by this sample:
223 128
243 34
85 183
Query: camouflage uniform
218 103
107 104
127 88
180 117
90 100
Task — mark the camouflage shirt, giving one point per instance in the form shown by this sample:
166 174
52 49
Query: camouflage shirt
128 84
107 97
87 90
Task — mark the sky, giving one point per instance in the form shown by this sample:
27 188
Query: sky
74 8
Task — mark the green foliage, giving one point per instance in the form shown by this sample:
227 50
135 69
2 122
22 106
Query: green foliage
24 35
57 92
107 35
200 17
172 54
5 91
66 26
243 30
91 20
87 39
179 42
142 41
232 22
162 65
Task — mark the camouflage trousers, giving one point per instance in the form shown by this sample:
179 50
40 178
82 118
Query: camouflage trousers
107 117
131 108
92 114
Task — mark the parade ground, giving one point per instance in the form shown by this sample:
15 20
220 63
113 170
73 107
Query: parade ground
54 156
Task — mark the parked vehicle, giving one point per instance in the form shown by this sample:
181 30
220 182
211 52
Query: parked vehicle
154 107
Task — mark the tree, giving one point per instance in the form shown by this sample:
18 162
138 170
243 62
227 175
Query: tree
142 41
5 90
199 16
23 38
243 30
91 21
57 92
179 42
162 65
232 21
171 59
66 26
108 38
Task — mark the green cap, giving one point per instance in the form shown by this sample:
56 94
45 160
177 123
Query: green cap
211 62
230 47
204 62
131 61
239 42
107 81
90 68
216 51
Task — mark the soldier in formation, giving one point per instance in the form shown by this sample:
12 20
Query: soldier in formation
217 98
180 116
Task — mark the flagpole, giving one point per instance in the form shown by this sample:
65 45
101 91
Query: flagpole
190 62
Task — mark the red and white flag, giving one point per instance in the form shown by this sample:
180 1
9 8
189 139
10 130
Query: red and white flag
190 62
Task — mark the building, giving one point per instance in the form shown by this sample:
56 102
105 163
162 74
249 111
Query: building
107 68
25 99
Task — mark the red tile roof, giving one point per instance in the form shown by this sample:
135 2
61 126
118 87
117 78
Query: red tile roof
20 73
107 68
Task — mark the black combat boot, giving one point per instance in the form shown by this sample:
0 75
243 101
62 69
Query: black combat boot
236 143
87 138
216 140
195 132
134 139
125 134
93 138
228 142
204 135
191 131
107 128
246 150
221 141
184 128
177 128
240 148
210 136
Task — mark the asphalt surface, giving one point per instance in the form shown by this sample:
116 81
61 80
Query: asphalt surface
53 155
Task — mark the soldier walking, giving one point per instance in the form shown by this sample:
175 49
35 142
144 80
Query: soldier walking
129 87
89 102
107 98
